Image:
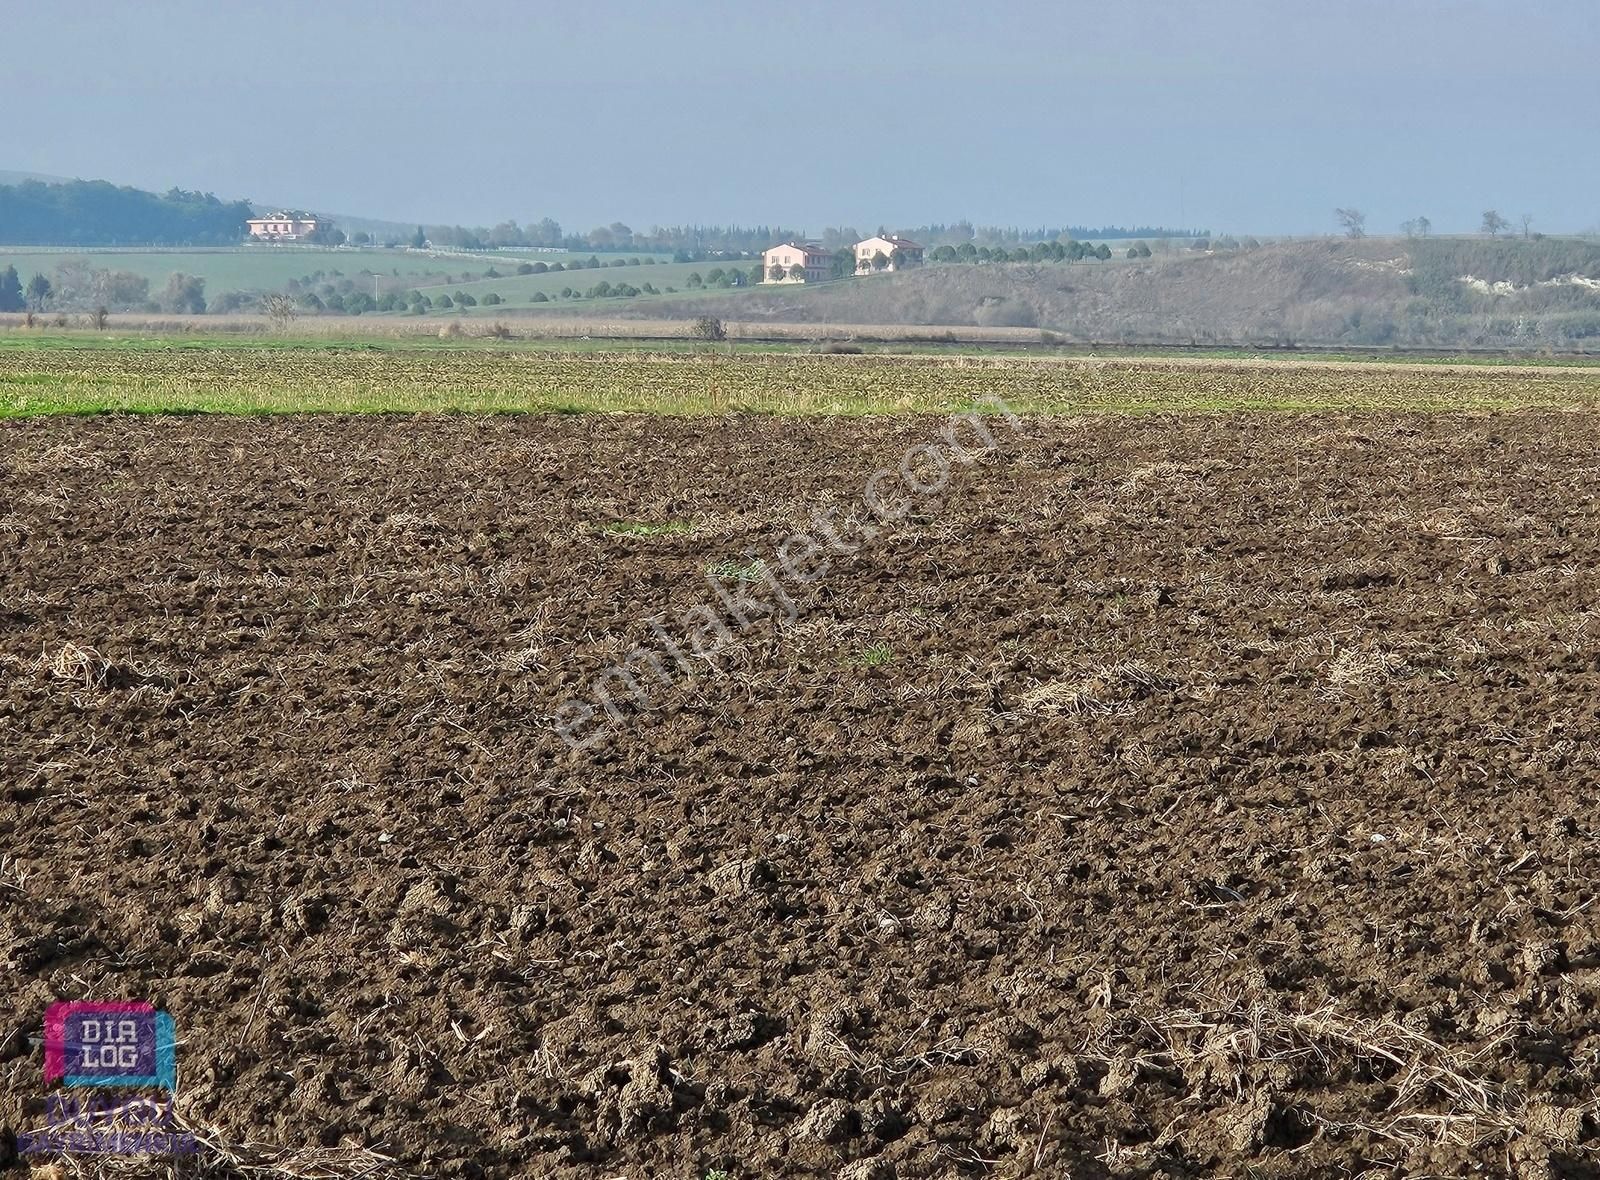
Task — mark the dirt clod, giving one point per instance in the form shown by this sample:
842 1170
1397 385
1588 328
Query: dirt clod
1224 820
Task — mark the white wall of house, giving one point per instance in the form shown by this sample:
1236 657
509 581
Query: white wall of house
910 253
286 228
818 264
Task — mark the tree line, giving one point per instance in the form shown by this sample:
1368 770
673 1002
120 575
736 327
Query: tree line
95 213
695 243
77 285
98 213
958 232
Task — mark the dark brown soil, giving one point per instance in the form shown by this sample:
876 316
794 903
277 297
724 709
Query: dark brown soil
1183 797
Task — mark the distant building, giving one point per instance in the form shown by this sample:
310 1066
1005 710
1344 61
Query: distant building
778 264
898 253
287 226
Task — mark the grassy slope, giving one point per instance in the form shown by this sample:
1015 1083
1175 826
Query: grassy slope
258 267
1367 293
232 379
265 268
517 289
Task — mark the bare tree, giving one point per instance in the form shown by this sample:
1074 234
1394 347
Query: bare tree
280 310
39 292
1352 221
1527 225
708 327
1417 227
1493 224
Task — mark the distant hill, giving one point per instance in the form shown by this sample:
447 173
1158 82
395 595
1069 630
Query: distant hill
97 213
80 233
1448 292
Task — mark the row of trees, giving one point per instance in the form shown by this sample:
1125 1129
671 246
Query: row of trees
36 295
79 286
1353 223
694 243
1047 251
958 233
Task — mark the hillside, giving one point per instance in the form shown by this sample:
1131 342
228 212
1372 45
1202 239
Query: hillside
1539 293
104 222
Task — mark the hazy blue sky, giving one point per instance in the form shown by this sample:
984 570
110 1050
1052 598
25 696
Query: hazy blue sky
1239 115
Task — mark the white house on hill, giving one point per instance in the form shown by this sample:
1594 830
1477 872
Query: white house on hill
287 226
796 262
897 254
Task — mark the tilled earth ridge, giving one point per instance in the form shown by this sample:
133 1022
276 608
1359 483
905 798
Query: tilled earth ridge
1178 796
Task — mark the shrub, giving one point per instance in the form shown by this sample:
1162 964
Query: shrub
708 327
280 310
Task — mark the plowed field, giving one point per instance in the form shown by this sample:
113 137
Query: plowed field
1174 795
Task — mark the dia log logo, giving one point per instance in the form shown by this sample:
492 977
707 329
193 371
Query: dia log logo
95 1043
113 1045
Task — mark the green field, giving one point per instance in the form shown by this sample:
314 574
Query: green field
67 376
269 268
518 290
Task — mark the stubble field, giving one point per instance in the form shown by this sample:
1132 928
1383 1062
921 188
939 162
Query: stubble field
1174 794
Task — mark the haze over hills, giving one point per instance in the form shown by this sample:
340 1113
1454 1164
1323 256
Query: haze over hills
351 222
1527 291
1448 292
